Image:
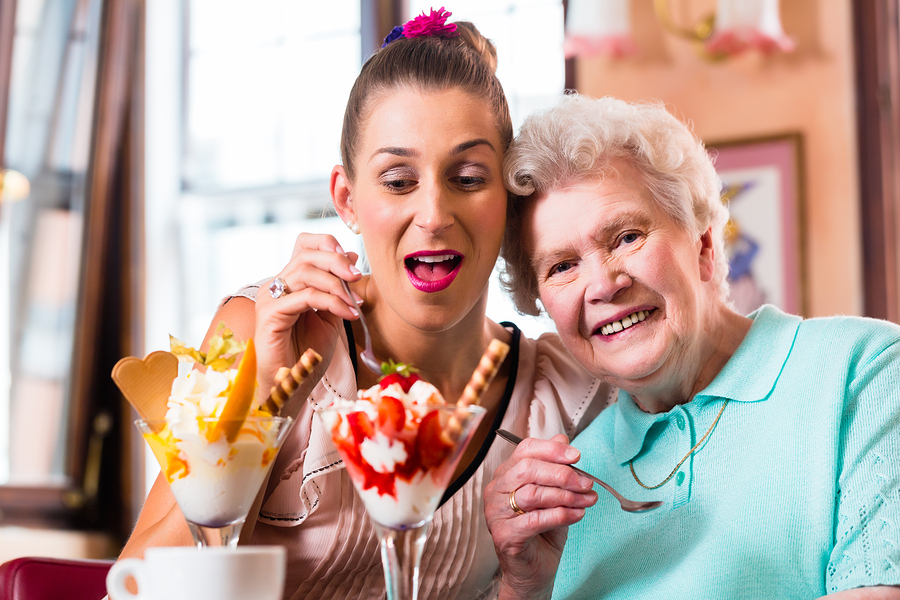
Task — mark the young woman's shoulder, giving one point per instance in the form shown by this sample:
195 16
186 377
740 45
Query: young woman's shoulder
560 385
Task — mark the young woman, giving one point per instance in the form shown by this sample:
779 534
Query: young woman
425 131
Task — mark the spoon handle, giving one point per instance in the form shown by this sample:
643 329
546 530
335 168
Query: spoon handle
368 357
626 504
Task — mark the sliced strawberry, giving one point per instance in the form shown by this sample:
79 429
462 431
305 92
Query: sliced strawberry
408 469
430 446
363 473
361 426
384 482
349 451
391 416
405 381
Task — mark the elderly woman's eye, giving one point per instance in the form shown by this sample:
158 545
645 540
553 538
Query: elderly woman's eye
628 238
560 268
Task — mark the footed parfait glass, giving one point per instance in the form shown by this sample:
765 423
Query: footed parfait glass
215 469
401 473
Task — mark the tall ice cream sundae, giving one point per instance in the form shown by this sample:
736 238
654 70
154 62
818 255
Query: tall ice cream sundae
396 446
401 441
214 462
215 441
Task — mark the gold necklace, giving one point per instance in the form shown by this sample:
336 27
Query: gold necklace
681 462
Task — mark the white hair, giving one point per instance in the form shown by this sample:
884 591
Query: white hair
575 141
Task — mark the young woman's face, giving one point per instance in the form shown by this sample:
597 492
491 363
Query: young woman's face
429 199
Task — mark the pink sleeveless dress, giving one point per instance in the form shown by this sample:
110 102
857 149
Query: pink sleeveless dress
311 507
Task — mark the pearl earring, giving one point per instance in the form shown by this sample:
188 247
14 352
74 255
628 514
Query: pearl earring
354 227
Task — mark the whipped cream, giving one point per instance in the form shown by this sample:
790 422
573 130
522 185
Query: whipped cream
197 393
399 468
214 482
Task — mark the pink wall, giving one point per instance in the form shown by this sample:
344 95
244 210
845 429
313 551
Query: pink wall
810 91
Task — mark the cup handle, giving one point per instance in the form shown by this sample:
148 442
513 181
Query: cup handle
119 573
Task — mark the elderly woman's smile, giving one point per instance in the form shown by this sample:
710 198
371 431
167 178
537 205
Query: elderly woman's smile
616 325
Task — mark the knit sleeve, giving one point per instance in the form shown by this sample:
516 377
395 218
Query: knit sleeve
866 548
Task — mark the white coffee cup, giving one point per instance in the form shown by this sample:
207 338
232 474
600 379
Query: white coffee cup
243 573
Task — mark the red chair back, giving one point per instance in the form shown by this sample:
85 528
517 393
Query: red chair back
35 578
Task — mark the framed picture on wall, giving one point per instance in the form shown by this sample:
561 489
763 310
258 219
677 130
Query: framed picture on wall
763 187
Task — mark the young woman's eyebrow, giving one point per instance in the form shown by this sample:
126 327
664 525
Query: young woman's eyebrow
471 144
407 152
396 151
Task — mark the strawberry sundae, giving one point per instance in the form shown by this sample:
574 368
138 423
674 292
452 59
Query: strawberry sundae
400 442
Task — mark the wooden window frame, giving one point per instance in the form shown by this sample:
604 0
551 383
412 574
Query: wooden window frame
876 33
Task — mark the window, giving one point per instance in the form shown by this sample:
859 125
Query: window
260 91
51 96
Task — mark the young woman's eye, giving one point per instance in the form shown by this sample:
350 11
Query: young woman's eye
398 185
468 182
469 176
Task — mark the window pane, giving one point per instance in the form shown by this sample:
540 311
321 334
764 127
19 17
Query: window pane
261 108
265 86
528 35
51 106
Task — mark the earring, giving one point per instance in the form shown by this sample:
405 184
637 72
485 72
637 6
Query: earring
354 227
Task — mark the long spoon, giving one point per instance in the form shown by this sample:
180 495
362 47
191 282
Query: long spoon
627 505
367 356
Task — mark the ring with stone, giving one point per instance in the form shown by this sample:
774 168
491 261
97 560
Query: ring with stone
512 503
278 288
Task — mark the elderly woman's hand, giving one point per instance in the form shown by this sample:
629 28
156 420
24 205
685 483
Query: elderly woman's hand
550 496
308 313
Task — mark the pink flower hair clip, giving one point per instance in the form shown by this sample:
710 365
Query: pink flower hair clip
434 24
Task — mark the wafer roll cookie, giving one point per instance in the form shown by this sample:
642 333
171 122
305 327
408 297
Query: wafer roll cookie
482 377
288 380
485 372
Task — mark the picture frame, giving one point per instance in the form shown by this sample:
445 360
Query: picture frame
763 187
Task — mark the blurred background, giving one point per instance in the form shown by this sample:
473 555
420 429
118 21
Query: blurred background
157 155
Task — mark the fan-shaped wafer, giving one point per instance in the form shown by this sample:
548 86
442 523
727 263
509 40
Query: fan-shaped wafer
484 373
288 380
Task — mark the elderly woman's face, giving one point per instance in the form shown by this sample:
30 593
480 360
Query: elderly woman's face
626 285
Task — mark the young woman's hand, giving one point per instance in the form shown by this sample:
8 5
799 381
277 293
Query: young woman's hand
310 312
551 497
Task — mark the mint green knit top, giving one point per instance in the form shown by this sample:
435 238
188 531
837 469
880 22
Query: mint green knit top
794 494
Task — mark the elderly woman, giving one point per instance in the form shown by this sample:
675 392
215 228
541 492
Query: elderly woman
772 441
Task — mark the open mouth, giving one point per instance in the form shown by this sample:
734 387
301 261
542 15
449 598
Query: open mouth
624 323
432 272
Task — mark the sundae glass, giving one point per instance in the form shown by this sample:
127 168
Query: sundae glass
215 480
401 443
215 442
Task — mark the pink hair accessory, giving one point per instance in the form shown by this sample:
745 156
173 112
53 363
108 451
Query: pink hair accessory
432 24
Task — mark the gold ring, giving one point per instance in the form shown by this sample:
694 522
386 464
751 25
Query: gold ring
512 503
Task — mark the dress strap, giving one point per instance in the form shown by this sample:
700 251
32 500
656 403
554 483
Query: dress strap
351 345
498 418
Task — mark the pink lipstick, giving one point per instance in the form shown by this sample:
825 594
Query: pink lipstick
432 270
